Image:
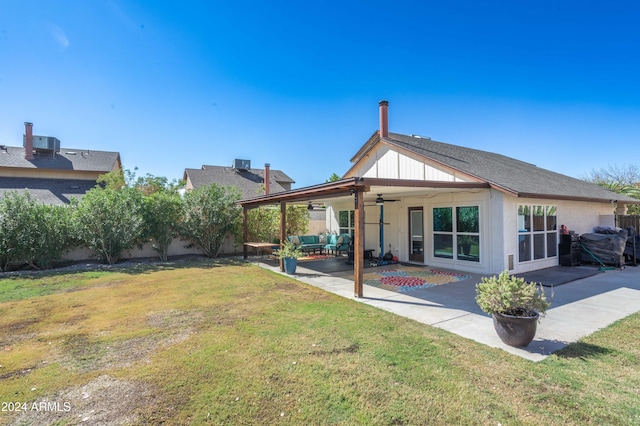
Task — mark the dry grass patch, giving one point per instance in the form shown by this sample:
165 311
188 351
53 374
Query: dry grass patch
230 343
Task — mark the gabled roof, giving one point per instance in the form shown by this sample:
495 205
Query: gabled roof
249 182
47 191
66 159
501 172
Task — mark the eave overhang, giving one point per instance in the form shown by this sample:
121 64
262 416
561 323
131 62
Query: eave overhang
348 186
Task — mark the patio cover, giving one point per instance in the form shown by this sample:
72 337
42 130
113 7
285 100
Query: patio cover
356 187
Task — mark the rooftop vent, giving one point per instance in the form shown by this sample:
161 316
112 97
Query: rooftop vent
421 137
243 165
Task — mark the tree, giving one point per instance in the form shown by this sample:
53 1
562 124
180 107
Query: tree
14 233
210 215
263 224
54 235
151 184
162 215
113 180
333 178
297 220
110 221
162 211
33 233
628 175
620 179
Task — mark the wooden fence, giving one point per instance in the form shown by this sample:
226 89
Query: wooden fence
625 221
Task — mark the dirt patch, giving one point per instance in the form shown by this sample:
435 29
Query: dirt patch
17 331
12 339
85 354
105 401
173 319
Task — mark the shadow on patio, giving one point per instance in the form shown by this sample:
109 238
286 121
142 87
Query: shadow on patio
584 300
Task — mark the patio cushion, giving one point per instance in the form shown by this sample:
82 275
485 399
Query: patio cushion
344 244
309 239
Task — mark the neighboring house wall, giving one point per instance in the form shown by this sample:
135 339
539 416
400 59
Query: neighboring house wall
50 174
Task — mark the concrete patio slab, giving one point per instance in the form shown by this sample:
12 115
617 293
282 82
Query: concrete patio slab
579 307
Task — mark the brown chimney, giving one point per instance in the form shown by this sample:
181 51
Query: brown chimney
267 178
28 141
384 119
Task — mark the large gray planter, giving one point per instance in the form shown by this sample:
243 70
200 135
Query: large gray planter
515 331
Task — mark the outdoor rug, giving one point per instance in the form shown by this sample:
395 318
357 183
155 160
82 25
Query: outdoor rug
404 279
315 256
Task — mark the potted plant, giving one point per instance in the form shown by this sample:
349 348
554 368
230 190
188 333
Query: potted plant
465 242
290 254
516 306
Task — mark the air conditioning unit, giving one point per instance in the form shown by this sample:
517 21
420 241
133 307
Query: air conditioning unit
242 164
44 143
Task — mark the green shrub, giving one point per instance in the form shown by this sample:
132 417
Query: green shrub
510 295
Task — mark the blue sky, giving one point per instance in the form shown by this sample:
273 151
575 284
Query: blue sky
174 85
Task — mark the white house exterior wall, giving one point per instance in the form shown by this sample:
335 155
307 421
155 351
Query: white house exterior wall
578 216
385 163
392 212
498 260
459 199
433 173
411 168
388 163
498 227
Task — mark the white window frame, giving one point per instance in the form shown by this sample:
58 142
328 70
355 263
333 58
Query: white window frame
524 233
454 233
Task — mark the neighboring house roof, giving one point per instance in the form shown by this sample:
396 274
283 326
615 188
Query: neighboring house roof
65 159
501 172
48 191
249 182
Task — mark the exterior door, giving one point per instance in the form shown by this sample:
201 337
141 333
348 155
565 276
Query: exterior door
416 234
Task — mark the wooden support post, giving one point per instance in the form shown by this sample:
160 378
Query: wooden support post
245 232
283 229
358 244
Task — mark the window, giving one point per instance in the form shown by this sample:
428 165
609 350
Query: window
537 232
461 240
346 222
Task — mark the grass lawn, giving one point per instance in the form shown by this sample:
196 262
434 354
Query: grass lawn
230 343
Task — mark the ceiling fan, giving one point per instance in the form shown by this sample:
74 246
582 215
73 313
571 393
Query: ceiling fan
380 201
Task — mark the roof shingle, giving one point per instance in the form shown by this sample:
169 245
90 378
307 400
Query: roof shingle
66 159
47 191
249 182
518 177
